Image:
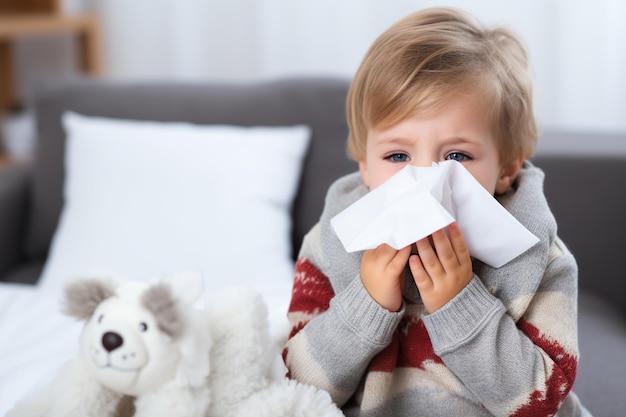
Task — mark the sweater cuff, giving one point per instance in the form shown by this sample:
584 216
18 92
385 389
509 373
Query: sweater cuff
462 317
365 317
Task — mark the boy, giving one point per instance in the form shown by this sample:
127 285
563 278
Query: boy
427 330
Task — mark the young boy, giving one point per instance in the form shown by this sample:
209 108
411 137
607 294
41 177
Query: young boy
427 330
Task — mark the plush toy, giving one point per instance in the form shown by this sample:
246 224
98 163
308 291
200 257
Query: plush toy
160 349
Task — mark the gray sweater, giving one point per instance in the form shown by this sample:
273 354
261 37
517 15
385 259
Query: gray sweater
506 345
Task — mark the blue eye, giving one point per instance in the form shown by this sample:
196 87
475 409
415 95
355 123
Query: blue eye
398 157
458 156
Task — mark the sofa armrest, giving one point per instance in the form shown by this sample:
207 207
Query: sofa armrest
14 185
583 193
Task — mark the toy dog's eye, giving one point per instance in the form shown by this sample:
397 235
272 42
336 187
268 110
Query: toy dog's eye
143 327
100 317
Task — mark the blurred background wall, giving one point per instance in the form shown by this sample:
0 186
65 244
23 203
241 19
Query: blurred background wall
577 47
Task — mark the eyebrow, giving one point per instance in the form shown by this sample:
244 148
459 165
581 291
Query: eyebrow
393 139
400 140
464 140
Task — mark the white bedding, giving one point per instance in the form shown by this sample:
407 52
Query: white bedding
36 338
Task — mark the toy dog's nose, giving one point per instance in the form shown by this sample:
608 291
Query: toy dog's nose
111 341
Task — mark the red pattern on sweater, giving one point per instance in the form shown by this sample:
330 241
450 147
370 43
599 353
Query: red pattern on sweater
559 383
410 348
311 294
416 349
411 345
387 359
312 291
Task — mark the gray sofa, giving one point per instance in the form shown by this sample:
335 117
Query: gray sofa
583 185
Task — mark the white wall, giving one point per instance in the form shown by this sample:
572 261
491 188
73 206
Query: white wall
577 46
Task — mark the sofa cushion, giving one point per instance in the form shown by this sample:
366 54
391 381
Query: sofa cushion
315 102
144 199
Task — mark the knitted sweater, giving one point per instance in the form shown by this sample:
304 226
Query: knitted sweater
506 345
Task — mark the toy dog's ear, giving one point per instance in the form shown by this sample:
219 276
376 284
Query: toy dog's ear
160 301
82 297
167 299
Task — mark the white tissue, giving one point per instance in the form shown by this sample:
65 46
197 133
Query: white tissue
418 201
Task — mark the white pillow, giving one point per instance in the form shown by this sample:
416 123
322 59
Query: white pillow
148 199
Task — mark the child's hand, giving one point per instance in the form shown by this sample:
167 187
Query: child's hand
443 269
382 273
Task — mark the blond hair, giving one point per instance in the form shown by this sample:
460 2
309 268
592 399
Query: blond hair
424 60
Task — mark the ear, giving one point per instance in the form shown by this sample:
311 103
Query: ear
364 175
160 301
508 174
82 297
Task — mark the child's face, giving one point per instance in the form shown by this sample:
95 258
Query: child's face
461 131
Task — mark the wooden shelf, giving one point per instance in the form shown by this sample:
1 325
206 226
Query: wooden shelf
4 161
30 6
19 25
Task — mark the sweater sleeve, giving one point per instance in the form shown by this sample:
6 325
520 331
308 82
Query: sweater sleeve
334 336
511 335
513 368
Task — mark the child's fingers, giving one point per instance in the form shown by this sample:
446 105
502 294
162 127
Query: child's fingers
383 253
400 259
445 251
389 258
420 276
441 269
458 242
428 257
382 275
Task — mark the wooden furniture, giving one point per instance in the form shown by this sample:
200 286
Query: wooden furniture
4 161
21 18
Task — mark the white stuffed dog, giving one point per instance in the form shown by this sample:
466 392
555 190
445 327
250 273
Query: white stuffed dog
144 351
154 350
